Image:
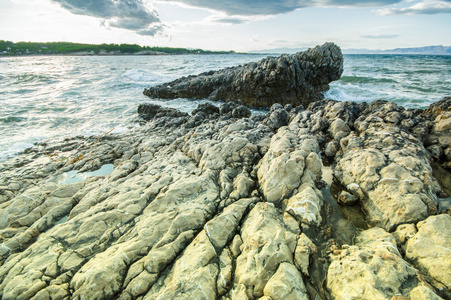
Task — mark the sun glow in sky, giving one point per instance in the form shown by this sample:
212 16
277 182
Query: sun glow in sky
240 25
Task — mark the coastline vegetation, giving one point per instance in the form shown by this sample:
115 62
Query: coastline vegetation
8 48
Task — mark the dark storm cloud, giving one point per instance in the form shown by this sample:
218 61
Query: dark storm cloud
126 14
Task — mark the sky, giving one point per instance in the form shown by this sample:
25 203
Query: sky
239 25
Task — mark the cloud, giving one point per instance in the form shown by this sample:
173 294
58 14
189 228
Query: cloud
380 36
272 7
152 30
428 7
133 15
223 18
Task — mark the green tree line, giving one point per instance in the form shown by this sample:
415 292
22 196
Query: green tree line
31 48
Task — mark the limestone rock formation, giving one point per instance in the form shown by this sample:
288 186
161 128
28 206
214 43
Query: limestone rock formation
430 251
374 266
225 204
387 168
296 79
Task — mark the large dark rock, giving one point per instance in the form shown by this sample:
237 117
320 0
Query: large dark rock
296 79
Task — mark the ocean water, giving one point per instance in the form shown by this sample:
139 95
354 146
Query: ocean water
60 96
413 81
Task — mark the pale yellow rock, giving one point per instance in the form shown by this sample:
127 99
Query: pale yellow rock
56 292
195 270
442 124
67 190
70 260
240 292
225 272
393 189
306 205
265 245
431 251
371 269
110 265
304 248
235 246
242 186
192 276
338 128
279 177
176 218
287 284
291 223
404 232
423 293
24 273
280 170
23 204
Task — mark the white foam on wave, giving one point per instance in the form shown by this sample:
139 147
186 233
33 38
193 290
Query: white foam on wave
348 93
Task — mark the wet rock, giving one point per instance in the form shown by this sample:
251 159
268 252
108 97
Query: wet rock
241 112
347 198
152 111
207 109
295 79
277 117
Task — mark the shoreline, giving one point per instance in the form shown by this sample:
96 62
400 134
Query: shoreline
162 54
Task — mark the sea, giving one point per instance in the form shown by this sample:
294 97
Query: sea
47 97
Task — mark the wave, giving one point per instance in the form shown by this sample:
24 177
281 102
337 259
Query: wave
29 78
363 79
11 119
143 76
339 94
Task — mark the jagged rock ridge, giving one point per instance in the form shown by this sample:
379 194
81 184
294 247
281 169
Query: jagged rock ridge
295 79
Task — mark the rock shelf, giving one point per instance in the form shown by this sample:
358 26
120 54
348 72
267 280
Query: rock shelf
225 204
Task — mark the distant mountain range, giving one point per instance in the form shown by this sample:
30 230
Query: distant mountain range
430 50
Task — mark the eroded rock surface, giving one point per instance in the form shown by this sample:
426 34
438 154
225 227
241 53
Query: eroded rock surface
430 251
222 204
374 266
296 79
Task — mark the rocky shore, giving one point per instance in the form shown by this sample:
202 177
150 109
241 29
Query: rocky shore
331 200
225 204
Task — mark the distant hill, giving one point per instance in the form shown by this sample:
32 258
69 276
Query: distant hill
431 50
8 48
277 51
